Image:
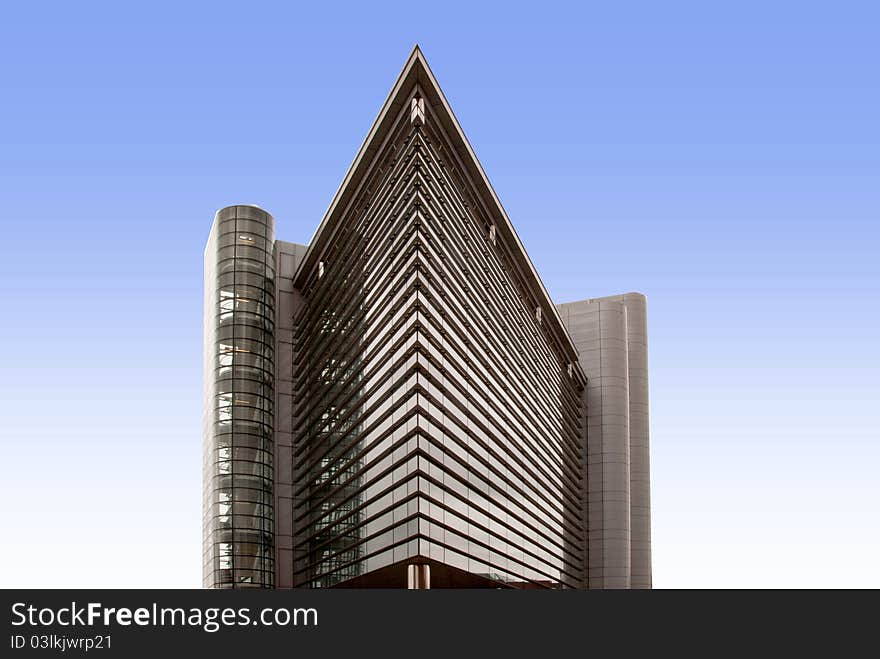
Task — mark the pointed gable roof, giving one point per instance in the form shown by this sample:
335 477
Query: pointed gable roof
417 76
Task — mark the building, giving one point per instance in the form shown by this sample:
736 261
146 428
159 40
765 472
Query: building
400 403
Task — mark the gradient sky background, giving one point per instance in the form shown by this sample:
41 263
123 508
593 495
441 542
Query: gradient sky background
726 162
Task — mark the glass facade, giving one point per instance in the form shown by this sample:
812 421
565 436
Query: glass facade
436 417
239 399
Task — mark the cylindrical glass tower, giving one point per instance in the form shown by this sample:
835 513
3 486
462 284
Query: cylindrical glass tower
239 396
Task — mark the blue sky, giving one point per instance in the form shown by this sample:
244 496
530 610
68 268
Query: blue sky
723 160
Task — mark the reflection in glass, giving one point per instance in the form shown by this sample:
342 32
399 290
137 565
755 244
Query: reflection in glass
239 543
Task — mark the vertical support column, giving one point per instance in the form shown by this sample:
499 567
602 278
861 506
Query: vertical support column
418 576
610 450
288 302
640 477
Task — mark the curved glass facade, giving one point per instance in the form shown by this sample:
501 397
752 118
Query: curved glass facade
239 390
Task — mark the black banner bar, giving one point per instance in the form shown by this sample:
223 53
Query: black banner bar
124 623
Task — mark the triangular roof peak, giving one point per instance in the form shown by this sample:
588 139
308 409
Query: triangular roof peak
416 76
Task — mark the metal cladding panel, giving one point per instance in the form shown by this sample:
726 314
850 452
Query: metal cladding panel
288 302
610 334
640 472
